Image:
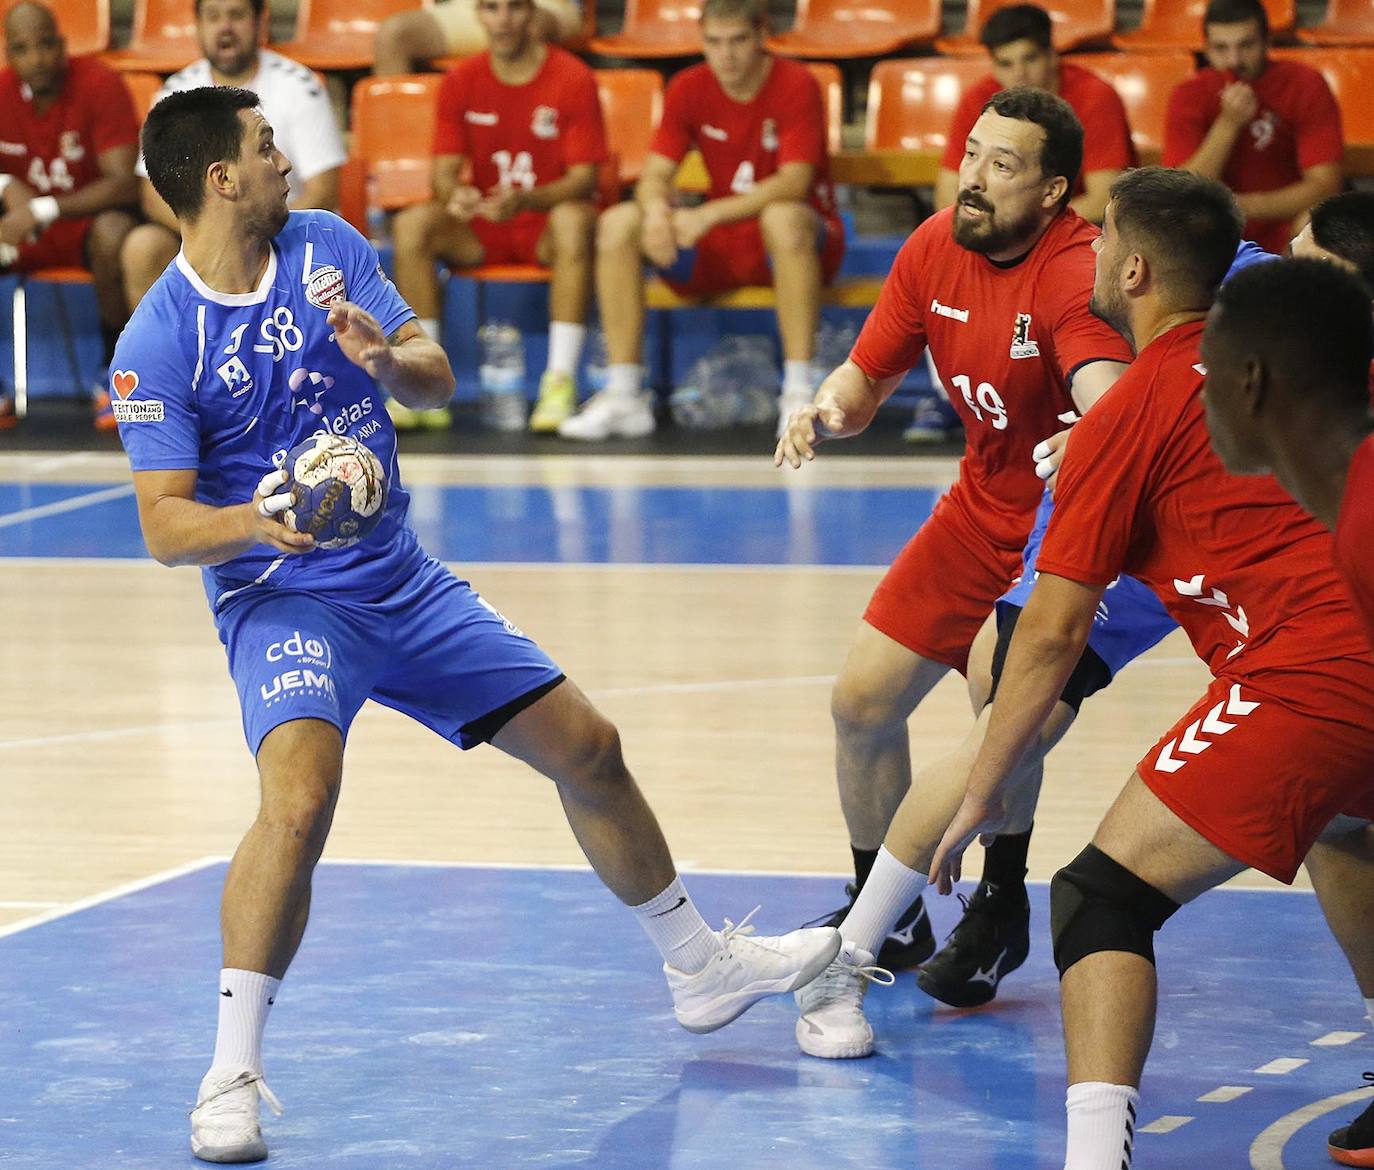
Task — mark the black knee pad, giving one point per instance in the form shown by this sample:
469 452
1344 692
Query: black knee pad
1097 904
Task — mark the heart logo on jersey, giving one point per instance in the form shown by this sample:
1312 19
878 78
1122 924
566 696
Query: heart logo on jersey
124 382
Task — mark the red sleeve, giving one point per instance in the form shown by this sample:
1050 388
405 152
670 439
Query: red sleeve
965 115
1101 485
584 137
801 121
894 336
115 123
1078 336
1107 144
1318 123
1185 125
675 134
450 131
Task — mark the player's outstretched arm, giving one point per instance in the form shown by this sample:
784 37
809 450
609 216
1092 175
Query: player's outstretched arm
410 365
843 406
179 530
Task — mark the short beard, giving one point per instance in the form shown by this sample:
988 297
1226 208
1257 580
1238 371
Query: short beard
1114 312
268 226
986 236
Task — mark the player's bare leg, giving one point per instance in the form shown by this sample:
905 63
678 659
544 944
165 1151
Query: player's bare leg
1341 866
790 233
566 247
1147 863
714 976
622 409
147 250
263 913
407 40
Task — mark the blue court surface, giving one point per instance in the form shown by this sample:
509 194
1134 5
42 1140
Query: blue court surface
637 525
451 1016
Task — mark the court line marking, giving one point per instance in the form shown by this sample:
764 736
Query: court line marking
1166 1124
1336 1039
71 504
1225 1093
1282 1066
115 892
1266 1151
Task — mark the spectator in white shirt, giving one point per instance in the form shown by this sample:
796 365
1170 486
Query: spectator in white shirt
294 102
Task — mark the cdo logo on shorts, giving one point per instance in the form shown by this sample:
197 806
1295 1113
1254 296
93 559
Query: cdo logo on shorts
314 658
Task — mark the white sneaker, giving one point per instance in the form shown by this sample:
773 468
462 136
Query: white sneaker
605 415
788 403
832 1023
746 969
224 1123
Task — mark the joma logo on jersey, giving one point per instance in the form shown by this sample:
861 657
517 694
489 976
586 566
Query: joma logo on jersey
1021 344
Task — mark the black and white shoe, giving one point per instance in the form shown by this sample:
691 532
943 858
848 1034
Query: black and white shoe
908 944
1353 1144
991 940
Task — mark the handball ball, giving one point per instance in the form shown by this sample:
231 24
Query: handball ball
338 490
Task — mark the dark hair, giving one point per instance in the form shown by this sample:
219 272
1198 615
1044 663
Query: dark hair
1017 22
1344 226
1062 151
187 132
753 12
1187 226
1309 321
1234 12
256 5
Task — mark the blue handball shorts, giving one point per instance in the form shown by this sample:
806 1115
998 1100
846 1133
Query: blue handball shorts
431 649
1130 618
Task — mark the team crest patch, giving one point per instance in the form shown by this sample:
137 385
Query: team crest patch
1021 344
236 377
544 124
325 287
770 134
69 146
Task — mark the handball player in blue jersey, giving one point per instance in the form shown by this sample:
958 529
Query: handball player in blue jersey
271 326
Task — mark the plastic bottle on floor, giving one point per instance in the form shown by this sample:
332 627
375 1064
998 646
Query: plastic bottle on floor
502 377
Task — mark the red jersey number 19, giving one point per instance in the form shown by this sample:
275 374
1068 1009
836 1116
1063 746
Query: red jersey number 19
983 401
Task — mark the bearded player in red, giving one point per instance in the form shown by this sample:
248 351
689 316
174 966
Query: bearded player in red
69 142
1281 744
770 218
998 287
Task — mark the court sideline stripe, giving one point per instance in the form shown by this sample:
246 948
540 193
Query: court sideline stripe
72 504
1266 1151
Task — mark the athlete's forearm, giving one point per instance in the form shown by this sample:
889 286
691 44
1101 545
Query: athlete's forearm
1292 200
178 531
420 376
1210 157
579 183
790 185
105 194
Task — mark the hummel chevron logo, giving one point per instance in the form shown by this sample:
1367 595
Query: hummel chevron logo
1196 588
1190 743
990 976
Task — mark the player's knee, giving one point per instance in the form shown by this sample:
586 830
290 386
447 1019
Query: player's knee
593 756
145 245
1097 904
109 230
573 225
787 226
617 228
413 228
860 708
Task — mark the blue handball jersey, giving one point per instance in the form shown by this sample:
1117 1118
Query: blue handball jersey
225 384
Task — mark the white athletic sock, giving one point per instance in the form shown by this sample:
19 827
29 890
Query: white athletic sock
1369 1008
431 327
623 380
677 929
245 998
796 378
565 346
1101 1126
891 887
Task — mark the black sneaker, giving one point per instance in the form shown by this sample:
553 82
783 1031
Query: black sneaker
908 944
991 940
1353 1144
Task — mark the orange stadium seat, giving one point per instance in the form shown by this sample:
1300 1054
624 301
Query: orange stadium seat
654 29
85 24
1144 81
632 103
833 29
1347 22
393 136
338 34
912 101
1350 74
1077 24
832 97
1172 25
142 89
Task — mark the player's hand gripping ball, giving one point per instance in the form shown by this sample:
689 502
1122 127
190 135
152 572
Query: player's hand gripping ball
338 490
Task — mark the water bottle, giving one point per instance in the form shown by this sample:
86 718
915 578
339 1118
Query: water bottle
502 377
833 346
597 362
697 404
753 376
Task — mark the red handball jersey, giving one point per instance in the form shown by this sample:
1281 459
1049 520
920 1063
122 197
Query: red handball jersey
58 151
1006 340
1355 534
743 143
1107 144
1245 572
1298 126
521 135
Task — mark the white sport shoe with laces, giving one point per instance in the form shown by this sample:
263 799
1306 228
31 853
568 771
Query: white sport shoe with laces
224 1123
832 1023
745 970
606 416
